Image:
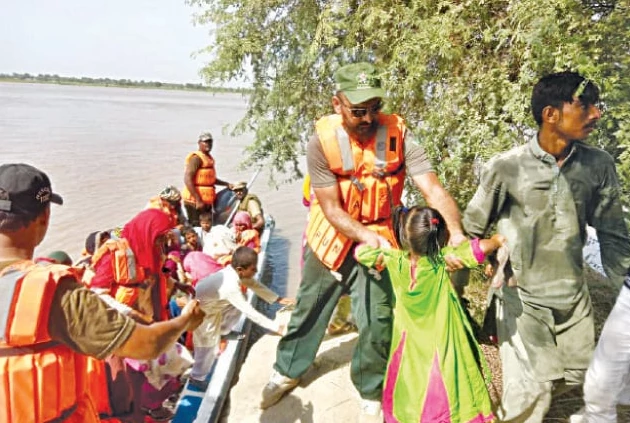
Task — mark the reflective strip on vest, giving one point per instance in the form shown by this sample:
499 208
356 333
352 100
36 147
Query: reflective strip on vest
347 157
381 144
8 282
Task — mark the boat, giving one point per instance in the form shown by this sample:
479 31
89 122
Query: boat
195 405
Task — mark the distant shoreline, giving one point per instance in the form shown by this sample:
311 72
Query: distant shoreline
118 83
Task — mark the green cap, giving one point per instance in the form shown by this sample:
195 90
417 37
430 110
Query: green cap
60 257
359 82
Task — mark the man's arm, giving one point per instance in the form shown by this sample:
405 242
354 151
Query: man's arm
189 176
612 232
438 198
148 342
254 210
222 183
82 321
331 206
485 206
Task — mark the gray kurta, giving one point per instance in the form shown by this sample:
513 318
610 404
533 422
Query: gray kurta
543 210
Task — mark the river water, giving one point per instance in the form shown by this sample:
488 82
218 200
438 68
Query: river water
108 150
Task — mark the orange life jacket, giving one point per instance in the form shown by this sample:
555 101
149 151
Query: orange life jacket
250 238
371 178
40 380
204 181
126 272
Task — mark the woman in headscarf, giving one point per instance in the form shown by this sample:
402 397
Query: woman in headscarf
245 234
145 235
143 297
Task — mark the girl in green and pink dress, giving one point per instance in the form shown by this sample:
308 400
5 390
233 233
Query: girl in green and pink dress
434 368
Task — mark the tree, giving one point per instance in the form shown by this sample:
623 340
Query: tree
460 72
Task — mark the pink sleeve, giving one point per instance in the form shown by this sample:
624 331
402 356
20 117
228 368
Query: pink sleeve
476 249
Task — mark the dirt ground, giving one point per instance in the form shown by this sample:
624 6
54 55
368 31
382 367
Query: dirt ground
603 296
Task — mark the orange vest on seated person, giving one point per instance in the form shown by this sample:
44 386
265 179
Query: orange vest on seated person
126 273
40 380
250 238
204 180
371 178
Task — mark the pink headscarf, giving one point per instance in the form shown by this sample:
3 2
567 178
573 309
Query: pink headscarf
243 218
200 265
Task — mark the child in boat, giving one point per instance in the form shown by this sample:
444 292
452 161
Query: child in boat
434 368
192 241
205 225
222 298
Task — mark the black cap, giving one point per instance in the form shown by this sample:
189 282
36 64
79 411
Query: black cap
25 189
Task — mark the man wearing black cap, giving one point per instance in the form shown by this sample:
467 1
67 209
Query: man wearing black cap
200 179
48 320
357 160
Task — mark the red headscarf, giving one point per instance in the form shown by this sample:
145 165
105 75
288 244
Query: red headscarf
141 233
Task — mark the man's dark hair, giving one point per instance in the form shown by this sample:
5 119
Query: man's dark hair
11 222
561 87
244 257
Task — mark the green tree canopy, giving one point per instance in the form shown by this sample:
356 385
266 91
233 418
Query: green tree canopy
460 72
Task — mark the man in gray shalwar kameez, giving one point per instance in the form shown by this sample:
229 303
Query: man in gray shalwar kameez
541 195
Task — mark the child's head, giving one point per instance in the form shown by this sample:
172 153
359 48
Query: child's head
423 232
245 262
190 236
205 221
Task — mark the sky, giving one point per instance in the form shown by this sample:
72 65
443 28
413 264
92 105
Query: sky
122 39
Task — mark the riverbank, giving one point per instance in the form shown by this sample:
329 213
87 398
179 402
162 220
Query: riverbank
118 83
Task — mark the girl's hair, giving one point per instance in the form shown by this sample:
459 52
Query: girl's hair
421 230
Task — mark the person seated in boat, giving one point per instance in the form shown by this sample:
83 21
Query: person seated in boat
204 228
244 233
47 357
191 241
129 276
200 179
169 200
221 297
251 204
221 244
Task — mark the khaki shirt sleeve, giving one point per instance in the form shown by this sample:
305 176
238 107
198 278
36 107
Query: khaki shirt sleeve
416 158
253 208
82 321
321 175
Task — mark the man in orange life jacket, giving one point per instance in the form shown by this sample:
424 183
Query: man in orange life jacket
200 179
49 322
357 159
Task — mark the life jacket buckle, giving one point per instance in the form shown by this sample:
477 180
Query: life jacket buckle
357 183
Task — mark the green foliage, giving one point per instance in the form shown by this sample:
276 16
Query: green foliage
460 72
